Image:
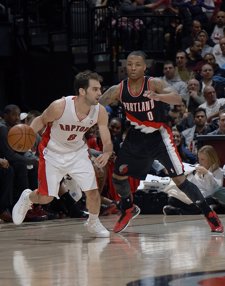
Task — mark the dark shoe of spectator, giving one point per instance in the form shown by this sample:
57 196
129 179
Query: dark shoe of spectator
78 214
35 215
6 216
42 211
170 210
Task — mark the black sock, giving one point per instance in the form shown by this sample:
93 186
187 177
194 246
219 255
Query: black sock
126 203
195 195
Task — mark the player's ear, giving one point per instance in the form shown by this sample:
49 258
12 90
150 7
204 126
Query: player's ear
81 91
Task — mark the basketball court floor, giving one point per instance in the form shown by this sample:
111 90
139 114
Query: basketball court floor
153 251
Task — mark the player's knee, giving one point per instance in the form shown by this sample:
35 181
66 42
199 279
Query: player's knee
179 180
122 187
93 194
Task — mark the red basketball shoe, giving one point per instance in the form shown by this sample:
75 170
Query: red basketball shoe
125 218
214 222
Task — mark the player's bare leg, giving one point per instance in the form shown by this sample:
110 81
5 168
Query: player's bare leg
94 226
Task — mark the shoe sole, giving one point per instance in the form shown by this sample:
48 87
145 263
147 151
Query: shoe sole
14 211
103 235
98 235
129 221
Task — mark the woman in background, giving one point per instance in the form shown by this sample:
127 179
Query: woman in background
208 176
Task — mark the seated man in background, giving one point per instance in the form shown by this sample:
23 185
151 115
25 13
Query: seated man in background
25 168
221 123
6 190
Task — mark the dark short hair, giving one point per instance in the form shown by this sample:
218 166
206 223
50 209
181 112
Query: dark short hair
82 79
182 51
199 109
138 53
9 108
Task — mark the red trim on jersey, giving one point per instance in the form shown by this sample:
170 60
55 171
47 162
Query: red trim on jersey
155 125
140 91
42 181
170 133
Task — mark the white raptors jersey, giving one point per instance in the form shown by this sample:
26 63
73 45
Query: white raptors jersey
66 134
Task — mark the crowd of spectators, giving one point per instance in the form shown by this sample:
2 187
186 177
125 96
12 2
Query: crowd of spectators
195 67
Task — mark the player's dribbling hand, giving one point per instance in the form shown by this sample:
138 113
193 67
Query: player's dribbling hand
101 160
151 95
4 163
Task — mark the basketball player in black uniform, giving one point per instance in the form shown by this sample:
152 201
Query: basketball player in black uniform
145 101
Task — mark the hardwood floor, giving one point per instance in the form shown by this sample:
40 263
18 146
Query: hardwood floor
153 251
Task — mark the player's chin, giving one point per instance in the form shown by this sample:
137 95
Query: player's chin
133 76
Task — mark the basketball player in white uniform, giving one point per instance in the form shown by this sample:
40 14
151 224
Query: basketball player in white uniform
63 150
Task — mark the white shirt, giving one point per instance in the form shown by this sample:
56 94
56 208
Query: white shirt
211 109
65 135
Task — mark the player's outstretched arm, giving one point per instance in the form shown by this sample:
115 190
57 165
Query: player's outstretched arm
52 112
111 95
102 159
161 91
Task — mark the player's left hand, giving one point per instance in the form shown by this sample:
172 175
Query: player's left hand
151 95
102 160
4 163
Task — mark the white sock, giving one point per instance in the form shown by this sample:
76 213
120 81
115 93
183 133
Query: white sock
93 216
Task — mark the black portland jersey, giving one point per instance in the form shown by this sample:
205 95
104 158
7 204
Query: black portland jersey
144 113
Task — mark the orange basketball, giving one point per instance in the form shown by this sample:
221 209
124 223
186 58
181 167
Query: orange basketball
21 137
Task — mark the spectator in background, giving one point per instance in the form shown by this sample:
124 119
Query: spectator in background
25 168
212 104
23 116
185 119
1 116
209 58
221 123
173 80
220 56
101 3
132 29
194 57
188 39
115 128
206 75
185 154
17 160
203 37
94 143
218 30
194 95
139 6
196 10
208 79
181 69
208 176
6 190
200 128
